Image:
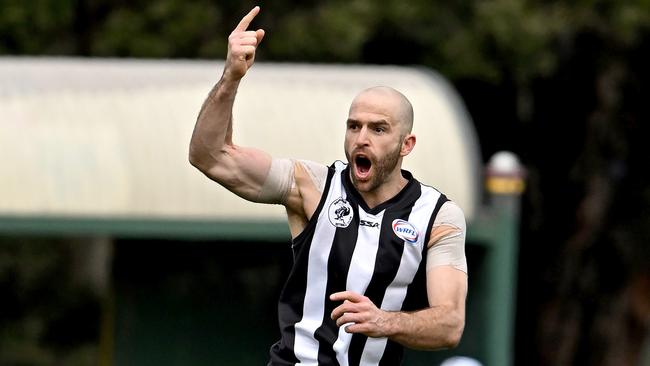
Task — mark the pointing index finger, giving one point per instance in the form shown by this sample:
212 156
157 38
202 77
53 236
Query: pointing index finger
346 295
247 19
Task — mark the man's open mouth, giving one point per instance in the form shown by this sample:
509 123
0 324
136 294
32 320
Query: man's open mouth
362 166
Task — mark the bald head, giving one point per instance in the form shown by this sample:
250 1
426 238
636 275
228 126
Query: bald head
394 101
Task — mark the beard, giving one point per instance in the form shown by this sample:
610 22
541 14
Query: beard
382 170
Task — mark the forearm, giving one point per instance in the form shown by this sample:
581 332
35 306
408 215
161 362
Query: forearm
213 127
438 327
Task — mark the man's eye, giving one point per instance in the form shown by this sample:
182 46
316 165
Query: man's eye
379 129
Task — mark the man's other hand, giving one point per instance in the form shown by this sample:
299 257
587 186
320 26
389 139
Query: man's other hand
361 315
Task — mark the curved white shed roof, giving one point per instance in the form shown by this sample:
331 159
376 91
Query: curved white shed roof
109 138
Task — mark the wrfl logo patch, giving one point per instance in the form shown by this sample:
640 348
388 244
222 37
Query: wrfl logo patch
405 231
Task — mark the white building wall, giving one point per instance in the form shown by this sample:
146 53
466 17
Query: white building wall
88 137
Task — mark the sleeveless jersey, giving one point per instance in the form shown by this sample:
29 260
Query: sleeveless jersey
378 252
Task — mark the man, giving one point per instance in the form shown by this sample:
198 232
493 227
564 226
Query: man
379 257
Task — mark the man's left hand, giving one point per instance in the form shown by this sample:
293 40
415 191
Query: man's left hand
361 315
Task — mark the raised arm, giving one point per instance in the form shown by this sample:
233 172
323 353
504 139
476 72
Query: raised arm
241 170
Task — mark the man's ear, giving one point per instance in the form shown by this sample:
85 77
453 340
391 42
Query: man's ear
408 143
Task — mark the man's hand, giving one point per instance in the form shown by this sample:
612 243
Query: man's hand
242 44
365 317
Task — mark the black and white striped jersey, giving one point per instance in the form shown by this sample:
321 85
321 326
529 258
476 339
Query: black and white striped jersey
378 252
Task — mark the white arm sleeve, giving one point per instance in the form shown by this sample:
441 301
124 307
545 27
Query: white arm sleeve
278 182
281 179
449 248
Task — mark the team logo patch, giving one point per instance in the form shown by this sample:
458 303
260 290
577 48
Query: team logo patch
406 231
340 212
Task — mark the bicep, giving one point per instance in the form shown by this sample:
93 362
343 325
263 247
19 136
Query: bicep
446 261
242 170
447 286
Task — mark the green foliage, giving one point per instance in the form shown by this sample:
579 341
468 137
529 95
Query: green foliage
46 316
332 31
36 27
486 40
165 28
507 35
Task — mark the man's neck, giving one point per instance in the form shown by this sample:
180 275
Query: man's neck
385 191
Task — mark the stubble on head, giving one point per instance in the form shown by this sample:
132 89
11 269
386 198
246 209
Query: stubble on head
395 106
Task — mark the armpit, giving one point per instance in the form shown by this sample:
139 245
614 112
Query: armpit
317 172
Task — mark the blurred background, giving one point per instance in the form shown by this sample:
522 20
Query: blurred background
563 85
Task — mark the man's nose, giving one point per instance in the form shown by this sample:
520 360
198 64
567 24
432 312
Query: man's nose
362 137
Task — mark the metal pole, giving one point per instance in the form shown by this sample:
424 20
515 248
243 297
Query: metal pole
504 184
